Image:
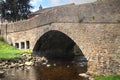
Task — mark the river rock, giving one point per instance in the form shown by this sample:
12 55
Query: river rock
44 63
43 59
13 65
68 66
1 64
54 64
20 65
30 63
84 75
2 73
48 65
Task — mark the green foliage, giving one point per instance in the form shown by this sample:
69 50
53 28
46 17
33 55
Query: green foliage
1 38
10 52
111 77
14 10
93 17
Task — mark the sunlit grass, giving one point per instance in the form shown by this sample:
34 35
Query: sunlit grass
10 52
111 77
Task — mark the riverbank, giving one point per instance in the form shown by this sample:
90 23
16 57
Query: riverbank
11 57
23 62
9 52
110 77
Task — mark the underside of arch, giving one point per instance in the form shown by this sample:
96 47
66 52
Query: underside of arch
56 45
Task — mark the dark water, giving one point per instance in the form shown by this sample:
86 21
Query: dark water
55 70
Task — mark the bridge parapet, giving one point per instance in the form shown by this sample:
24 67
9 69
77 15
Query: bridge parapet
98 12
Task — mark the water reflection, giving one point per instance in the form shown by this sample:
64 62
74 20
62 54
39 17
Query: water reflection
57 70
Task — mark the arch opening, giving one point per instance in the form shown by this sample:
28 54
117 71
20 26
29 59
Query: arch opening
56 45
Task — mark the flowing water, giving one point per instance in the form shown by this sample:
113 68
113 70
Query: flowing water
54 70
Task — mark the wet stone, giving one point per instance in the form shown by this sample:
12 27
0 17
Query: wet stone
2 73
30 63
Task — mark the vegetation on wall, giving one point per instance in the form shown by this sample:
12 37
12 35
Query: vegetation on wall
93 17
80 20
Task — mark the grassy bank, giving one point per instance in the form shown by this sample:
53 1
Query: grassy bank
9 52
111 77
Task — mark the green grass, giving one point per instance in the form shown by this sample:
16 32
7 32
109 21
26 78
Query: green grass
111 77
10 52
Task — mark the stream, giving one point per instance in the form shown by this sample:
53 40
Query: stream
53 70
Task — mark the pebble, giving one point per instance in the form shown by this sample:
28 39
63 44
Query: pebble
84 75
68 66
30 63
44 63
54 64
48 65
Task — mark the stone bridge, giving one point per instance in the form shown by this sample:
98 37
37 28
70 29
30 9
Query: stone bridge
94 28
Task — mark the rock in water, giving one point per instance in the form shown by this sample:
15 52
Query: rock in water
48 65
84 75
29 63
2 73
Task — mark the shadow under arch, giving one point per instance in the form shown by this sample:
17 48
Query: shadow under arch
56 45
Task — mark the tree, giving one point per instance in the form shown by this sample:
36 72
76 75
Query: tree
14 10
0 5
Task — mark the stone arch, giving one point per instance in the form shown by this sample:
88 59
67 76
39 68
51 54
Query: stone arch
56 44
